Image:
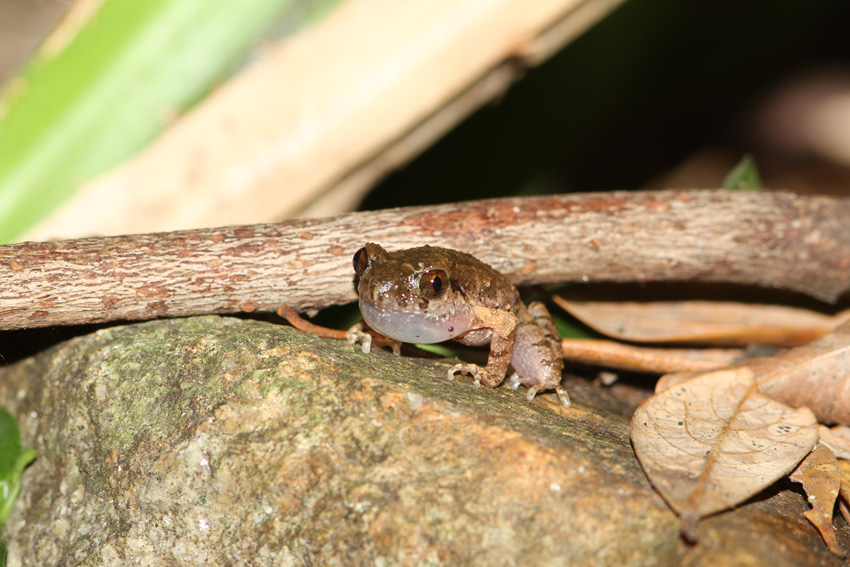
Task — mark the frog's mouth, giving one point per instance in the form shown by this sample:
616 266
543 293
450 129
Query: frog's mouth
423 327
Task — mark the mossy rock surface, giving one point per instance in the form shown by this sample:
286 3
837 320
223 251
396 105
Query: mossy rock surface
221 441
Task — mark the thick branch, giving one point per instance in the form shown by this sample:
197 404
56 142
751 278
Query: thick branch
778 240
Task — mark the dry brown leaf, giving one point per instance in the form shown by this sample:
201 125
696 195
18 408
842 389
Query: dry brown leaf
710 443
837 439
670 380
704 322
845 511
844 491
821 479
647 359
816 375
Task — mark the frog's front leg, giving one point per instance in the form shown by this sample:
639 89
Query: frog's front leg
356 334
501 325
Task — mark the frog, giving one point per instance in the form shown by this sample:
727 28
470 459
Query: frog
429 294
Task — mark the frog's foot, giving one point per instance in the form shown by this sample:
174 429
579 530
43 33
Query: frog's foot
479 375
562 395
514 381
356 334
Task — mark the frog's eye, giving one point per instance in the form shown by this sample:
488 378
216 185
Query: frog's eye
433 283
361 261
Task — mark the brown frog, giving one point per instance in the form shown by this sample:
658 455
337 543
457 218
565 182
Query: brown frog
430 294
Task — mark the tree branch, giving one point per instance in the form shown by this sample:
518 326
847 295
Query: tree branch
770 239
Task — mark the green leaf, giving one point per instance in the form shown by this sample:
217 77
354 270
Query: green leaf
745 175
439 350
13 461
570 327
74 114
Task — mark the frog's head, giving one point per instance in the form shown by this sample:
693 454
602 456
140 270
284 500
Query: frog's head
410 295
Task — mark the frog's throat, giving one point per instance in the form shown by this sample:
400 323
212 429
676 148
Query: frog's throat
421 327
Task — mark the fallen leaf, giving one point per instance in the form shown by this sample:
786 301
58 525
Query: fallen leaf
723 323
821 479
712 442
647 359
816 375
845 511
836 438
844 491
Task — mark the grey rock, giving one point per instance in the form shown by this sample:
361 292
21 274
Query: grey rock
221 441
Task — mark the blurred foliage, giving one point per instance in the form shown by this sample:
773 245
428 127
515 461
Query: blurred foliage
745 175
13 460
113 86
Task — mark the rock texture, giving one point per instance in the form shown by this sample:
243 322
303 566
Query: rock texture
221 441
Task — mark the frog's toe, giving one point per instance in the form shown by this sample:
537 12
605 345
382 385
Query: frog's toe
365 340
478 374
563 396
356 335
514 381
451 373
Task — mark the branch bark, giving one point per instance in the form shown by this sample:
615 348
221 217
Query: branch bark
771 239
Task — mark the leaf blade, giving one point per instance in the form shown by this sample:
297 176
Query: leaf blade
725 323
13 460
745 175
117 90
713 442
821 479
